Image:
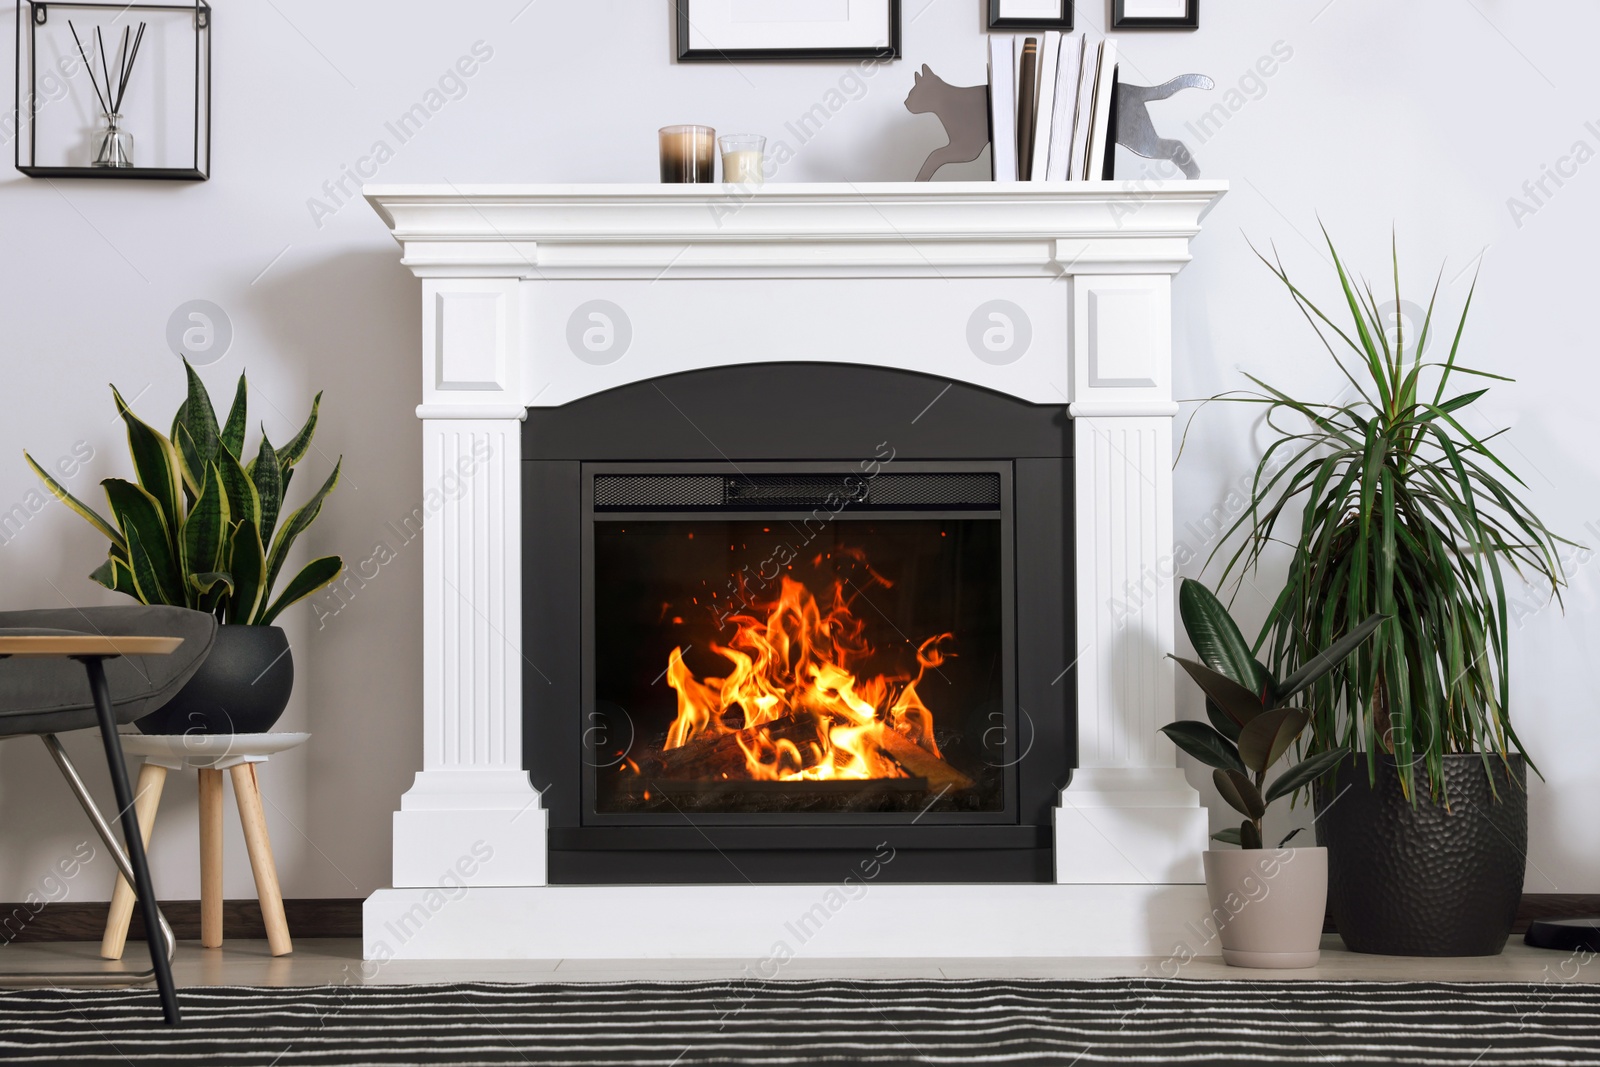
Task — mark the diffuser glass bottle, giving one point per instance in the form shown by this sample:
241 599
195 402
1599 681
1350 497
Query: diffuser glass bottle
114 145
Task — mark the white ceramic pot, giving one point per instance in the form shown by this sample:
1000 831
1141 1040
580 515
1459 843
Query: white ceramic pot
1268 905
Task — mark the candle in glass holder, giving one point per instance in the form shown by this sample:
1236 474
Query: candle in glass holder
688 154
742 158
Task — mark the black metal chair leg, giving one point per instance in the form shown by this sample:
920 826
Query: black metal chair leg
132 838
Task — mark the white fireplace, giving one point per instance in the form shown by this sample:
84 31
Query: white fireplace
539 296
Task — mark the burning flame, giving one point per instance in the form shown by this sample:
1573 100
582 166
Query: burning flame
792 670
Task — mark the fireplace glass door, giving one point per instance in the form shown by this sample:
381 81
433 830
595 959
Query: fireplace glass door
793 642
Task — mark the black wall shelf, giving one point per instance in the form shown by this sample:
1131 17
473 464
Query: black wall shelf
29 101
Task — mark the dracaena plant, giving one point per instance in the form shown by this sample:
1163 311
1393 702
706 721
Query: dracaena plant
1391 505
1251 724
201 528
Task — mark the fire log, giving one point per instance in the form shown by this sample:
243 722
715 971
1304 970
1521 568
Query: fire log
712 757
920 763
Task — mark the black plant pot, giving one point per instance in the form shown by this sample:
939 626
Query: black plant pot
241 688
1425 880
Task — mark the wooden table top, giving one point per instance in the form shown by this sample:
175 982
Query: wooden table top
87 645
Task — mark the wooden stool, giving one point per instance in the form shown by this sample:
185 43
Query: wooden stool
210 754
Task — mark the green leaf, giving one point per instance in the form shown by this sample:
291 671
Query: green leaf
232 435
138 513
108 531
1237 702
117 576
1240 793
205 530
204 583
300 444
212 591
248 566
268 478
146 584
1249 835
244 503
313 576
1230 836
199 418
1265 739
190 461
1219 718
155 461
1305 772
1216 639
297 524
1329 658
1290 836
1204 744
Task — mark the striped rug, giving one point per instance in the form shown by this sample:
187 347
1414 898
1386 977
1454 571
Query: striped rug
680 1024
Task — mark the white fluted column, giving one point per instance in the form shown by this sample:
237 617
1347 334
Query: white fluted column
471 815
1129 814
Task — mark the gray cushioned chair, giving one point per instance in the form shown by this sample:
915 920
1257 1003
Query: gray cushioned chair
73 668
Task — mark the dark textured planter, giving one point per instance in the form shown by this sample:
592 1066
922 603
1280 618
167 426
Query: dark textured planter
1424 880
241 688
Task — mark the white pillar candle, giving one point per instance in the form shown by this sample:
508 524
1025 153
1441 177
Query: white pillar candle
742 167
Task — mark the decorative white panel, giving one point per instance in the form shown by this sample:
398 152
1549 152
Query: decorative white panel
1122 337
471 335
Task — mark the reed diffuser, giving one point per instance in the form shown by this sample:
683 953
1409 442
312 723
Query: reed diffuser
113 144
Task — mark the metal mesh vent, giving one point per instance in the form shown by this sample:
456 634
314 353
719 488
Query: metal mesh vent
658 491
614 492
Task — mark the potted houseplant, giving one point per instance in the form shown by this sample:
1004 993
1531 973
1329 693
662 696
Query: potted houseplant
1268 905
202 529
1390 504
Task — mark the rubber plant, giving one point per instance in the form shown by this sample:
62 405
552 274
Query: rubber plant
1251 726
201 528
1391 505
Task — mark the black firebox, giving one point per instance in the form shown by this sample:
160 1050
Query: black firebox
779 615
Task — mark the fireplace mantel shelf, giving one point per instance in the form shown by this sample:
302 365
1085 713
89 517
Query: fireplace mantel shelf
541 295
885 229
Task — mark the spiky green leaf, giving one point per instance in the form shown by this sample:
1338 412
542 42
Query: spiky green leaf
300 443
138 512
155 461
232 436
95 519
248 567
297 524
268 478
313 576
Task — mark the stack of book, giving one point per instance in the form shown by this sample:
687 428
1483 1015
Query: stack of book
1050 106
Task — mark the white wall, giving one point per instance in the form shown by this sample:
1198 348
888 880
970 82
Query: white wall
1427 115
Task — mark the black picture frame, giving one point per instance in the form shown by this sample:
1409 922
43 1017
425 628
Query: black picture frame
1189 20
997 21
689 54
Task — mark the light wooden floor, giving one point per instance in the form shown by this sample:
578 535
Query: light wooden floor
336 962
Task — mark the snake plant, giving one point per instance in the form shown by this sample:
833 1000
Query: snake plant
1390 504
1251 726
201 528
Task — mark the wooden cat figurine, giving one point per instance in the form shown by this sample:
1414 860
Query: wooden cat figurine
964 110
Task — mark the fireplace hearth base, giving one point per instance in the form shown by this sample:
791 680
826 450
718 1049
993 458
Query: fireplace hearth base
766 925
